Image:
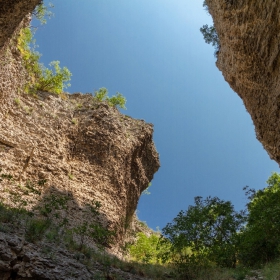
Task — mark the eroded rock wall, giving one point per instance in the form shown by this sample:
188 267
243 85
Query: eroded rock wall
249 59
80 147
83 148
12 12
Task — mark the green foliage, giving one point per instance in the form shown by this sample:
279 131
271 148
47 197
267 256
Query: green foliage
117 100
210 34
52 203
36 228
101 94
53 79
146 191
261 237
204 235
7 214
147 249
101 235
94 207
42 11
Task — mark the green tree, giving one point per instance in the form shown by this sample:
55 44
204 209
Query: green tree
210 34
205 234
261 236
147 249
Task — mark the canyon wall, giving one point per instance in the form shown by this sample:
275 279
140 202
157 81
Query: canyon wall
60 157
81 147
249 59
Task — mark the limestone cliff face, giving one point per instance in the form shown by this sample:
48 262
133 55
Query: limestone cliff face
83 148
12 13
249 59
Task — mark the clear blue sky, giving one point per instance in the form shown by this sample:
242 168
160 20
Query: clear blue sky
154 54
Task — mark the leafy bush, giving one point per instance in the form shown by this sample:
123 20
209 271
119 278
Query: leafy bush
53 79
117 100
101 94
147 248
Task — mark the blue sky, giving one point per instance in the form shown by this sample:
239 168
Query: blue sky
154 54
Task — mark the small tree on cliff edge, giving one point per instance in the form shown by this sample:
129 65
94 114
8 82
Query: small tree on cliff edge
210 34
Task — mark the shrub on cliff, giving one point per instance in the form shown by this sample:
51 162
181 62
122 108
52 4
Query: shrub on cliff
211 37
117 100
210 34
53 79
42 11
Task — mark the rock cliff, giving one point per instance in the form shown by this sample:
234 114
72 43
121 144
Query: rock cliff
12 13
81 148
249 59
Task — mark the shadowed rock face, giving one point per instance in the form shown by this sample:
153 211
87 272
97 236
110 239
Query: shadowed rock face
249 59
12 13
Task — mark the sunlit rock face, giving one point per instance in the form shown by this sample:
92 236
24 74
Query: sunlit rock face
84 149
249 60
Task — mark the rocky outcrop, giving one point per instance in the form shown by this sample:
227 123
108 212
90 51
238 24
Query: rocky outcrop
12 13
23 260
78 145
84 151
249 59
82 147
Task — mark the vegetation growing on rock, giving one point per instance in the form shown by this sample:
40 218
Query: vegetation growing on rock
53 79
210 34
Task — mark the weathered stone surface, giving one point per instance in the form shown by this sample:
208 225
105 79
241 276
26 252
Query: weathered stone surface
249 59
84 149
12 13
33 264
89 150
